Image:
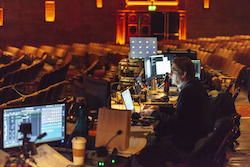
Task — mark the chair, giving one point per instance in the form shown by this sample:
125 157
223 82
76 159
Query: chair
51 94
209 151
12 66
48 49
23 75
30 49
7 93
60 53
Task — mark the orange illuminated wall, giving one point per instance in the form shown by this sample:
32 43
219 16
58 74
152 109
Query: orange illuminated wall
154 2
50 11
99 3
1 16
206 4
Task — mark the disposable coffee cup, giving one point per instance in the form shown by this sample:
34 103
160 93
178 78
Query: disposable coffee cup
78 147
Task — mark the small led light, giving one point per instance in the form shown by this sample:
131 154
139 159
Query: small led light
139 41
140 52
146 41
140 47
153 46
112 161
154 52
133 46
147 52
153 41
133 41
146 46
140 57
133 52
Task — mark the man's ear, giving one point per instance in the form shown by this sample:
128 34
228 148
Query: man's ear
184 74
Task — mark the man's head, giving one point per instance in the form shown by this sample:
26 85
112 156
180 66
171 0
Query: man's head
182 70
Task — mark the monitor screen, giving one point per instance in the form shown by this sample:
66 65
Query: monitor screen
141 47
157 66
48 119
197 66
96 93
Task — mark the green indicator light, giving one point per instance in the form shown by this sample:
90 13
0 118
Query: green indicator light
100 163
103 164
113 161
151 8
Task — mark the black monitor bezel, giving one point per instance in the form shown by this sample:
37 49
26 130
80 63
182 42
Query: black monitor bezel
56 142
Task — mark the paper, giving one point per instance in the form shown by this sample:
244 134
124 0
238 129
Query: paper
48 157
135 146
3 158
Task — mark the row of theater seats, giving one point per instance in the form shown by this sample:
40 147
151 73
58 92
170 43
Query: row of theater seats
29 71
224 59
51 94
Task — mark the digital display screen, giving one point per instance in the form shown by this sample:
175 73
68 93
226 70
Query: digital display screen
141 47
49 119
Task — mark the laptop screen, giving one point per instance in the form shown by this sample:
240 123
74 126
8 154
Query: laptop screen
128 100
49 119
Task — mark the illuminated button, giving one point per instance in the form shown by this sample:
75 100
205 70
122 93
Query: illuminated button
140 47
146 41
140 52
133 41
147 52
133 52
133 46
139 41
153 41
146 46
154 52
153 46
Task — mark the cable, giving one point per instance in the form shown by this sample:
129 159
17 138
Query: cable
22 95
118 133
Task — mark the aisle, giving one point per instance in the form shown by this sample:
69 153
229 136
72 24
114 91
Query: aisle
242 155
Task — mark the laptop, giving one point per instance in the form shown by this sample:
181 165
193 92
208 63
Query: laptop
127 98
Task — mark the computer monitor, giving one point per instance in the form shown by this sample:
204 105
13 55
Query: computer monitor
141 47
197 66
157 66
49 119
96 93
181 53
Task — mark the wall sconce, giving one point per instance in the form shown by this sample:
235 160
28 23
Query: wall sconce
99 3
1 16
50 11
206 4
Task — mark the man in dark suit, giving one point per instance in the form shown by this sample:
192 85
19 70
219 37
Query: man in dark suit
189 123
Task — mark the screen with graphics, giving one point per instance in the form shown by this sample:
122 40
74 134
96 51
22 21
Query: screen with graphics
49 119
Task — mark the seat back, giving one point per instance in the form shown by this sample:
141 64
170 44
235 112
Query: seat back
210 151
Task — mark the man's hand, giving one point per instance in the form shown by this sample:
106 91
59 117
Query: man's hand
147 110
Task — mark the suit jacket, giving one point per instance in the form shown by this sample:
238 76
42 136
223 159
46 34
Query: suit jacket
189 123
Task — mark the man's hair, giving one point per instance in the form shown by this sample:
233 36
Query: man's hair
185 64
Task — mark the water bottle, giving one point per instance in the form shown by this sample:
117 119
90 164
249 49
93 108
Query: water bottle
154 83
81 123
166 84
